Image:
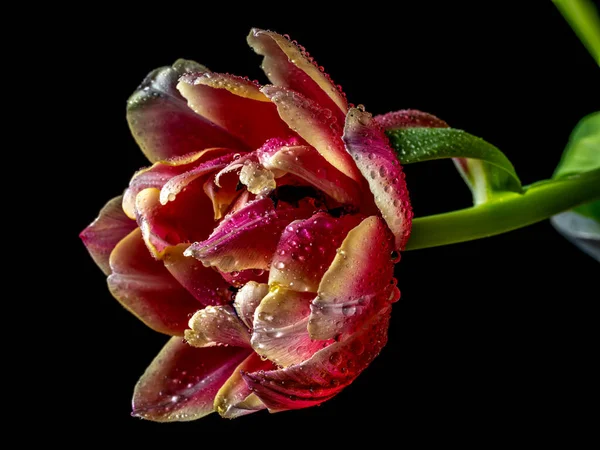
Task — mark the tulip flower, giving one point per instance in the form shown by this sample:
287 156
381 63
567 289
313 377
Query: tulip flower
264 235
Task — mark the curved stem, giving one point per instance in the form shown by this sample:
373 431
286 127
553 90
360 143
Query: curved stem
507 212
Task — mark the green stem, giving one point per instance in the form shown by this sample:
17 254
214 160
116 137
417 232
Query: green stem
584 20
507 212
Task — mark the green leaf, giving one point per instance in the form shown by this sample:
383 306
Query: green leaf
582 153
591 210
484 168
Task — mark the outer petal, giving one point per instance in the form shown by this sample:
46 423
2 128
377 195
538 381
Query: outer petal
280 333
247 299
315 125
357 283
204 283
147 289
408 118
290 66
104 233
161 122
307 164
217 325
247 238
376 160
235 399
182 381
162 171
326 373
234 103
306 250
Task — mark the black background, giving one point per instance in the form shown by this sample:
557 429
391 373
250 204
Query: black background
491 338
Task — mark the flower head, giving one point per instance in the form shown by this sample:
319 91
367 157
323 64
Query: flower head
263 237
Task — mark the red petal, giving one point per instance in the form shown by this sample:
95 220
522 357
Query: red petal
235 399
161 122
144 287
158 174
356 283
306 250
315 125
374 157
217 325
204 283
234 103
290 66
104 233
280 332
326 373
188 218
182 381
307 164
408 118
247 238
239 279
247 300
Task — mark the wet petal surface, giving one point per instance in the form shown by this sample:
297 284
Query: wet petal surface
306 250
326 373
182 381
375 159
356 283
217 325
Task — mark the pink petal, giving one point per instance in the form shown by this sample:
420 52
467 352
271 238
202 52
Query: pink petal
280 332
247 238
182 381
235 104
104 233
307 164
161 122
356 283
186 219
369 147
144 287
408 118
240 278
217 325
326 373
162 171
247 300
235 399
306 250
315 125
204 283
288 65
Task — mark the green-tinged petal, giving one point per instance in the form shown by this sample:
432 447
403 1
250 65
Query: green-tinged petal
162 123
